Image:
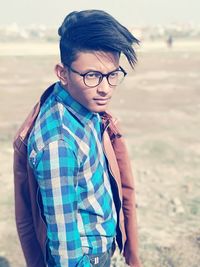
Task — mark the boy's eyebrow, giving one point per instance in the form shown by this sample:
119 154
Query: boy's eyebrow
92 70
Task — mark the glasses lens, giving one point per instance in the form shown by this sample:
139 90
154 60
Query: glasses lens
92 78
116 77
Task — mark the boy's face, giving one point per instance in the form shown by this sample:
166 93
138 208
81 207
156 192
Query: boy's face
95 99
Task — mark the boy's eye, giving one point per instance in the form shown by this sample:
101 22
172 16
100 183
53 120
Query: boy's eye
93 75
113 74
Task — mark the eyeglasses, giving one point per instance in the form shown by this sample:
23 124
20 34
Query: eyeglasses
94 78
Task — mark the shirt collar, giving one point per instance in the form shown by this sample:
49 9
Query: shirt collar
82 113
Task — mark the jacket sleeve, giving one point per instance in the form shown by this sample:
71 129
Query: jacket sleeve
55 169
128 198
24 221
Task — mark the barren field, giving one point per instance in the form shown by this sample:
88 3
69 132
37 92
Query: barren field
159 108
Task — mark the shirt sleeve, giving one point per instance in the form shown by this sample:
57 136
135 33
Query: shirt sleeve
56 172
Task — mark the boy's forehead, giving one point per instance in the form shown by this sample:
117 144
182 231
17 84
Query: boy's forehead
96 58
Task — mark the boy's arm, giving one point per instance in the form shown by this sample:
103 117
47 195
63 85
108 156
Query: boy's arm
56 169
23 216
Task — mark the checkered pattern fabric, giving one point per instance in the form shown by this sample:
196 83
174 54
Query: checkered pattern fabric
65 151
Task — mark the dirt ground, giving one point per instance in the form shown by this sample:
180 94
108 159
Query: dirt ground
159 108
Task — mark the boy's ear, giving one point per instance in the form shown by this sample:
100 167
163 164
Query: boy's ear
61 73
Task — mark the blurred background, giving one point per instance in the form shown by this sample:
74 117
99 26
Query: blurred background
158 106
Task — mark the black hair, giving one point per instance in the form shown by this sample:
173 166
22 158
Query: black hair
94 30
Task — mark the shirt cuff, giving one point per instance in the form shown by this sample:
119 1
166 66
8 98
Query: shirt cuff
84 262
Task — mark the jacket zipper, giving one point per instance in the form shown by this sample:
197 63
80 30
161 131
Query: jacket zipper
115 184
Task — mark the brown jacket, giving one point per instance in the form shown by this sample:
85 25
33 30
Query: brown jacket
30 223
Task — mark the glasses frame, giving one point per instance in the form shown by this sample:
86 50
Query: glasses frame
100 78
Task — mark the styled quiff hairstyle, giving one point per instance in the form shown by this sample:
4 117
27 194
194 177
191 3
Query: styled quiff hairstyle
94 30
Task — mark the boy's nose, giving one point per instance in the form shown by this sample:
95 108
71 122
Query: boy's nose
104 86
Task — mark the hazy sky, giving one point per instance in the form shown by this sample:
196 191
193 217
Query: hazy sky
128 12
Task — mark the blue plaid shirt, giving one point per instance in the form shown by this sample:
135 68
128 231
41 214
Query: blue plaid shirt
66 154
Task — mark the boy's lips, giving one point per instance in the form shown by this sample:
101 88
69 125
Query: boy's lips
101 101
